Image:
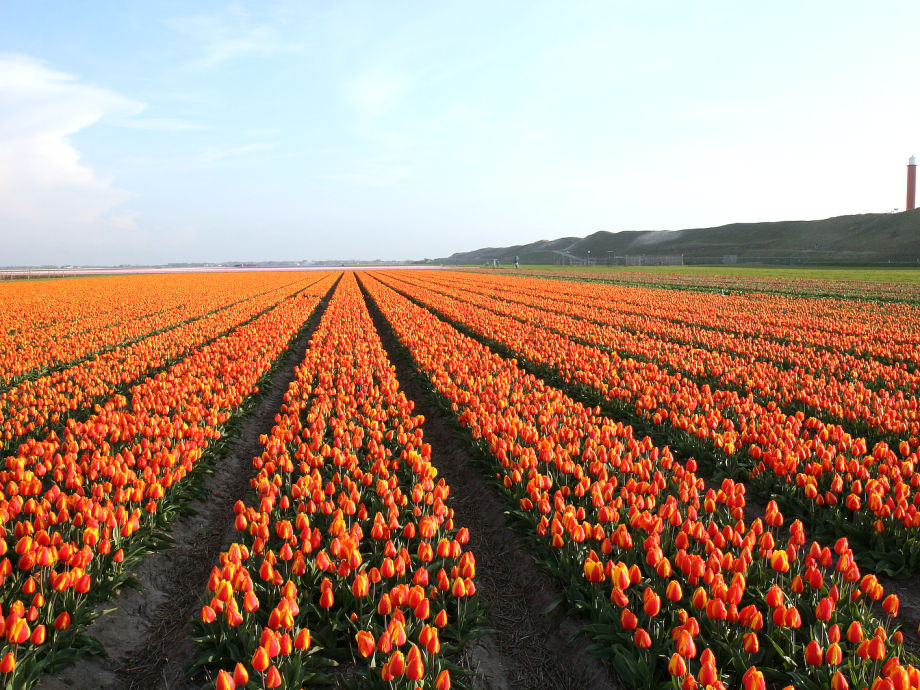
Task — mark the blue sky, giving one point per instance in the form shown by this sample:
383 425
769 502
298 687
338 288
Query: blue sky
150 132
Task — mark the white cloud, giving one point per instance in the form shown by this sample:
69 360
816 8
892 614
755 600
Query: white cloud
376 174
229 36
44 186
376 92
214 154
158 124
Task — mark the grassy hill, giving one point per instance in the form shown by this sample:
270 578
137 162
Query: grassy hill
866 238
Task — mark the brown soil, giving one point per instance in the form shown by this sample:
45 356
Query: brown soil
147 636
530 648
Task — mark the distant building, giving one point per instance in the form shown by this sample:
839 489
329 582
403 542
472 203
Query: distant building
911 184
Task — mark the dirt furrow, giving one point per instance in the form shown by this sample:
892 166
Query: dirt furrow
530 647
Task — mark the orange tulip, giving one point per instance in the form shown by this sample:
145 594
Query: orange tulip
207 615
366 643
677 666
814 655
839 682
674 592
302 641
240 674
396 664
642 639
273 677
891 605
753 679
260 660
415 669
628 620
750 643
18 631
225 681
855 632
685 645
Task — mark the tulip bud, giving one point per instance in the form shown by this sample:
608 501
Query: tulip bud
891 605
855 632
677 666
814 655
240 674
18 631
397 664
707 675
642 638
225 681
834 655
674 592
652 604
628 619
753 680
208 615
366 644
839 682
273 677
260 660
302 641
751 643
685 645
415 669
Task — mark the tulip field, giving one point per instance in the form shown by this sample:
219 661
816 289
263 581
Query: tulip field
723 489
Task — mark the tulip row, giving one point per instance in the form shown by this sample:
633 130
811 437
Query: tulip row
749 282
679 586
349 551
783 332
817 467
767 349
863 328
79 506
26 409
105 313
847 400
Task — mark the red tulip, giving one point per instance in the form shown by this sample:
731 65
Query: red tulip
642 638
814 655
260 660
753 680
839 682
366 645
225 681
240 674
677 666
824 610
415 669
302 641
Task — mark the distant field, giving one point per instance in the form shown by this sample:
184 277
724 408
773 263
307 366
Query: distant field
865 283
881 275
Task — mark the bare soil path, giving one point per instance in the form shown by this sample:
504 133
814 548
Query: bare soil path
530 648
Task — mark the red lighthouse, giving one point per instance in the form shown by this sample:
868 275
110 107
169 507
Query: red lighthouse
911 184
